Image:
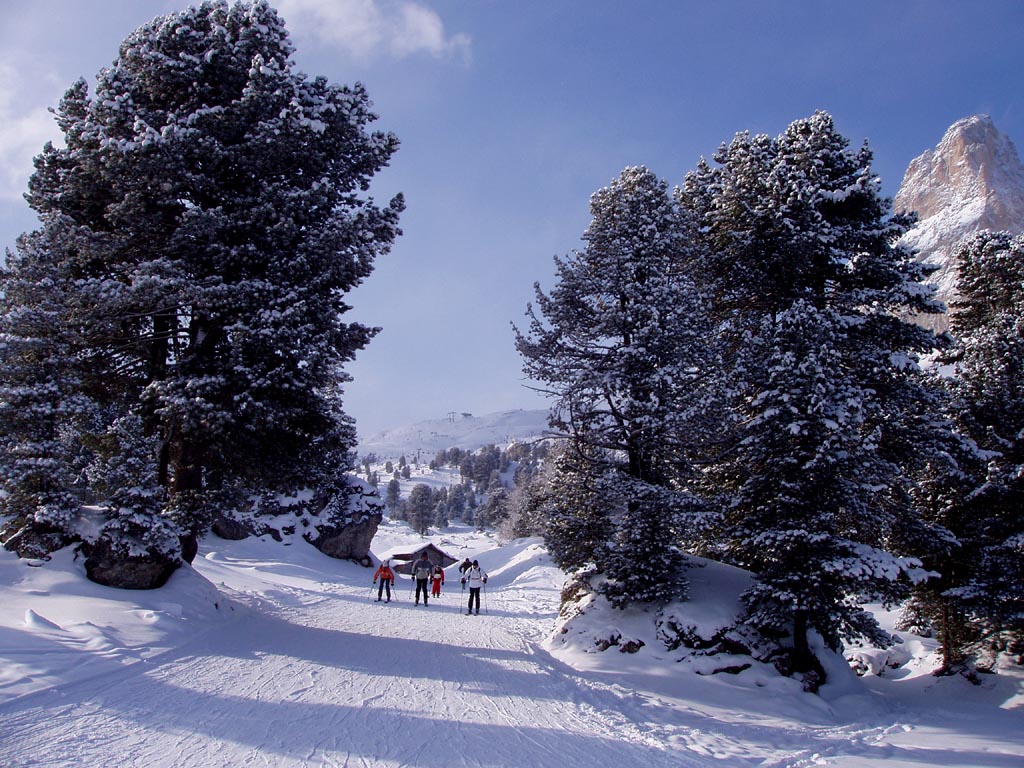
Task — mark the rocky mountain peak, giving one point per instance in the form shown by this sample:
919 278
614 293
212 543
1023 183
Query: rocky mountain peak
973 180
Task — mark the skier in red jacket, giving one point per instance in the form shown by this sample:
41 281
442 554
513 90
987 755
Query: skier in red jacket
437 579
387 578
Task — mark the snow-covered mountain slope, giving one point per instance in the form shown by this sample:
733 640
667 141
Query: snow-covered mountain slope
458 430
973 180
274 654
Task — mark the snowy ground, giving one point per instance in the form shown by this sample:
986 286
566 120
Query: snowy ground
266 654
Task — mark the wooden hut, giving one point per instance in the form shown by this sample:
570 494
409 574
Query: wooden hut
434 555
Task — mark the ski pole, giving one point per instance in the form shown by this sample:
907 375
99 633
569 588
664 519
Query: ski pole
369 595
483 589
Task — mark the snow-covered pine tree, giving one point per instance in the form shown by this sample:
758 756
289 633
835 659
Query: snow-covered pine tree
441 514
495 510
941 468
802 519
620 344
526 502
983 577
810 293
40 395
421 508
485 466
575 521
457 501
124 472
202 226
393 493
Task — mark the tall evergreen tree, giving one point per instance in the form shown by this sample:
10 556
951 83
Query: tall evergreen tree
40 394
421 508
620 346
441 514
810 292
457 501
982 576
485 465
200 230
393 493
525 504
495 510
576 523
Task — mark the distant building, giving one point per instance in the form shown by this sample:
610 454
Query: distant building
434 555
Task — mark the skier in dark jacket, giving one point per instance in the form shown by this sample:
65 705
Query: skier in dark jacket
421 571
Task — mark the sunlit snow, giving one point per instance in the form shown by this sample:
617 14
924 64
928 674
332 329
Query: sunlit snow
274 654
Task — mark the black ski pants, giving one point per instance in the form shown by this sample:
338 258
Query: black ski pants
384 583
474 594
421 584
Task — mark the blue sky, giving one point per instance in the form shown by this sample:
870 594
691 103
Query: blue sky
511 114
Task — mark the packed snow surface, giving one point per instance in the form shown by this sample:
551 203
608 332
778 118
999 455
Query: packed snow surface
271 654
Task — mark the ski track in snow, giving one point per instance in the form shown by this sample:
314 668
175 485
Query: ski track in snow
335 679
308 670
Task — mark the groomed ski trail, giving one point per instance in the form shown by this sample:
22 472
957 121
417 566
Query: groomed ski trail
328 677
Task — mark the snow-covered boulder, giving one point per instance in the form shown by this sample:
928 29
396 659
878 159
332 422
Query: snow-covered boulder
348 522
31 541
112 566
341 524
349 541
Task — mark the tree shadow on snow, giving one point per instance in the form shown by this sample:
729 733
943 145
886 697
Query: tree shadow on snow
467 686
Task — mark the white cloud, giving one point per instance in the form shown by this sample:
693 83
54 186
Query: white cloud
363 28
368 28
25 124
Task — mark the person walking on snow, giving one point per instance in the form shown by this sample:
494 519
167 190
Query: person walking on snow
387 578
476 578
421 571
466 565
437 580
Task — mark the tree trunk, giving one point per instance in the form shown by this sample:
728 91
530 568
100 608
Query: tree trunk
804 661
185 452
163 326
952 639
803 658
159 350
186 464
947 638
